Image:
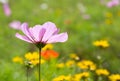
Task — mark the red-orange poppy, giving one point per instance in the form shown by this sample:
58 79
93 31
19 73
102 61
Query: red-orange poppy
48 54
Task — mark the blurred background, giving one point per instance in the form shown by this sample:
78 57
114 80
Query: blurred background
86 21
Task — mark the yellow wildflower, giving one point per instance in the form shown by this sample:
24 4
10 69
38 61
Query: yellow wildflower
104 43
34 62
101 43
48 46
28 56
85 74
70 63
67 78
33 58
96 43
102 72
74 56
118 13
17 59
114 77
109 15
61 78
86 64
60 65
42 61
108 21
79 76
82 65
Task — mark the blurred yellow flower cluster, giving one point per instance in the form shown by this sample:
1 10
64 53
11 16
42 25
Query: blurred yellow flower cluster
60 65
83 64
114 77
30 58
118 13
80 76
86 64
68 63
102 72
62 78
33 58
18 59
74 56
108 21
109 17
87 69
76 77
47 47
101 43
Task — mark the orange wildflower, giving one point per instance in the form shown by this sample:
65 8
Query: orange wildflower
48 54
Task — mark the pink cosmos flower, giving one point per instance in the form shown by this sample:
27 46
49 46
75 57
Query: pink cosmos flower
42 34
15 25
113 3
6 9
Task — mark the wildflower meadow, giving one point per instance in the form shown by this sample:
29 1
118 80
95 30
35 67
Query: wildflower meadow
59 40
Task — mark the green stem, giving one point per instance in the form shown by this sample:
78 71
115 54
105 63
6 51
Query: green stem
40 45
27 73
39 68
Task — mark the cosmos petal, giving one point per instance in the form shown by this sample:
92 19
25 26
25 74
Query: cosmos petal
50 29
26 31
6 8
58 38
38 32
25 38
15 24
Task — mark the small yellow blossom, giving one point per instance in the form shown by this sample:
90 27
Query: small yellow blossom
79 76
17 59
118 13
33 58
34 62
101 43
86 64
48 46
76 77
67 78
108 21
96 43
102 72
114 77
85 74
74 56
62 78
104 43
109 15
60 65
42 61
70 63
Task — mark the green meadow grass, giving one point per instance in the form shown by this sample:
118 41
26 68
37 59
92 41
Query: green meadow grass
82 33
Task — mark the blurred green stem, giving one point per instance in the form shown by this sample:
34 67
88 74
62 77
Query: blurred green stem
40 48
27 72
100 78
39 67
